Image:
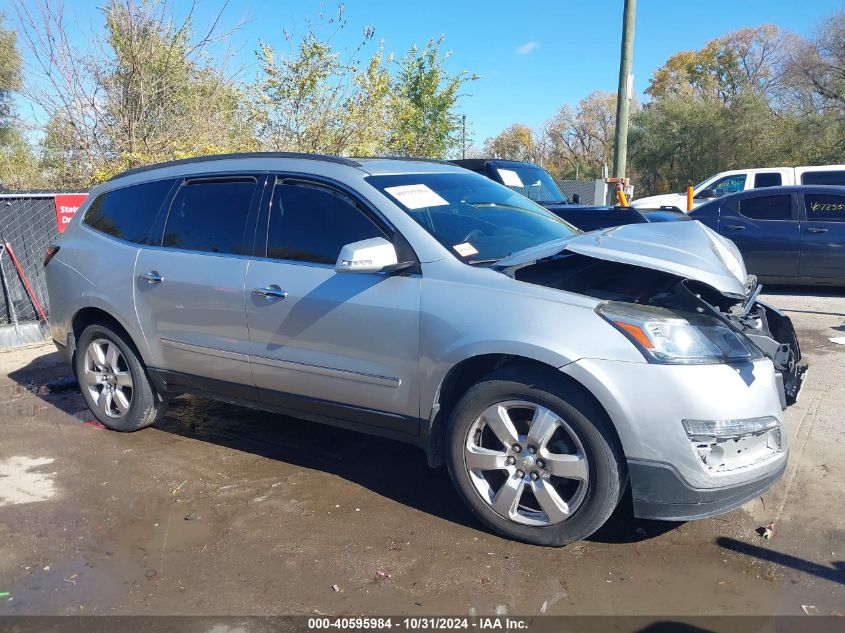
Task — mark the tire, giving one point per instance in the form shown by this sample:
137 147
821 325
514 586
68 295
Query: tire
123 372
584 473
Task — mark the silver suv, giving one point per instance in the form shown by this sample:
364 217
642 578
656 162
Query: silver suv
549 369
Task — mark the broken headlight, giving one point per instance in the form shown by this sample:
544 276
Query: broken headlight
664 336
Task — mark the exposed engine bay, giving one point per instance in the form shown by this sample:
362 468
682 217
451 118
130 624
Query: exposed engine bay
770 330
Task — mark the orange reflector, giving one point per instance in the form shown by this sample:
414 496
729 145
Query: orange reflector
637 333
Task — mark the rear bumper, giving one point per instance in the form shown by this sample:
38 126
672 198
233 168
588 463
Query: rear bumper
659 492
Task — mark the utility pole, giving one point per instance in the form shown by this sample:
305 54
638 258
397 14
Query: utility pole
625 92
464 136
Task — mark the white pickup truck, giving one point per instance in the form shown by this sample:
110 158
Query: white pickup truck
740 179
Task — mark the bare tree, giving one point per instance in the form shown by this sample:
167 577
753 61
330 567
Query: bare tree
146 89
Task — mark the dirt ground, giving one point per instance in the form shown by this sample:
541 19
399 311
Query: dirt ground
222 510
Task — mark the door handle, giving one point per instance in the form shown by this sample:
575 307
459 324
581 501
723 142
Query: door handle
816 229
735 227
151 277
271 293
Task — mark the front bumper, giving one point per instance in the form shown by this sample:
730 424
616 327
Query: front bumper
659 492
672 476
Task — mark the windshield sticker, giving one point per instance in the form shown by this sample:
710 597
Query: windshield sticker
465 249
416 196
510 178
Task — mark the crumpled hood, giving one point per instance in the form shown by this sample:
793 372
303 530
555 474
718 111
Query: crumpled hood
687 249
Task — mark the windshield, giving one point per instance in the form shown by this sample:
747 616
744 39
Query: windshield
532 182
475 218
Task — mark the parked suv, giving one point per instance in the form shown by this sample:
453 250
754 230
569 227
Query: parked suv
547 368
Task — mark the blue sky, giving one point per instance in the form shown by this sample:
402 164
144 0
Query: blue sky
533 56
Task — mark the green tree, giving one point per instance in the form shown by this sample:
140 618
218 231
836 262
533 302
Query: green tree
10 72
423 104
318 99
18 163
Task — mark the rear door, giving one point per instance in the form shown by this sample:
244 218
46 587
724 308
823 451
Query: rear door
342 345
765 229
823 234
189 289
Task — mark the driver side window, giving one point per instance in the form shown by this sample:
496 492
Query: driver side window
311 223
728 184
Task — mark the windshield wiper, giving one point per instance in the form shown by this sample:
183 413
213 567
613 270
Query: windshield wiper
476 262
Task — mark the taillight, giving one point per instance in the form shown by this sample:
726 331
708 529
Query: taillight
51 252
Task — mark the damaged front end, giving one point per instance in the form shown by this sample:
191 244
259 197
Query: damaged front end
710 325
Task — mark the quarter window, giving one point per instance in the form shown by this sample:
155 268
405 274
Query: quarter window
823 207
311 223
209 215
128 213
823 178
767 207
768 179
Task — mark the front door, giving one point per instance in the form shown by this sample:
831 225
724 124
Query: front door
189 290
823 236
321 338
765 229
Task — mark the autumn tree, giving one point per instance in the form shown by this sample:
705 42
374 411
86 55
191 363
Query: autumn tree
581 140
516 142
817 66
154 93
749 59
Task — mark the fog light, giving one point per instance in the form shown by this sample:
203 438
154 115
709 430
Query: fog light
725 429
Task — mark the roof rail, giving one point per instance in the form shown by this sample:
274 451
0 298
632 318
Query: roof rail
410 159
202 159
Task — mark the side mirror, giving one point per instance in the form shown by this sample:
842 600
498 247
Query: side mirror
576 198
367 256
706 194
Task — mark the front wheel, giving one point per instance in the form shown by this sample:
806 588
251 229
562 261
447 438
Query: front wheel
113 380
534 458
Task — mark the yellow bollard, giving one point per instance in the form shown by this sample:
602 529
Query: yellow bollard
689 198
620 195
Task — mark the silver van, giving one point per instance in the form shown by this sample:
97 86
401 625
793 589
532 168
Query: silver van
548 369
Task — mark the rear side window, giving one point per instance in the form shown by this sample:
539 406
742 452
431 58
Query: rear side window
824 207
310 223
823 178
209 215
767 207
128 213
768 179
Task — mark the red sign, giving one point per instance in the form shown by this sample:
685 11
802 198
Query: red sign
66 206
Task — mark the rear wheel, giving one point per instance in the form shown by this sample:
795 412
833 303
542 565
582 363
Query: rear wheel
535 460
113 380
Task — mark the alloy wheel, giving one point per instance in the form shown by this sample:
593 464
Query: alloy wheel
107 378
527 463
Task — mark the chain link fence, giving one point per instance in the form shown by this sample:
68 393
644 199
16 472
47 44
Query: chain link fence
591 191
28 224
